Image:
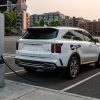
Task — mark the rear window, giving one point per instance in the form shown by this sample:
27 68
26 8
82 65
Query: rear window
40 33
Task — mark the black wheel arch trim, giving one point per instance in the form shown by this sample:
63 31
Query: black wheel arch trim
77 55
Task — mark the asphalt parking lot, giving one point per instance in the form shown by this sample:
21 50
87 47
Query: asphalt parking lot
87 83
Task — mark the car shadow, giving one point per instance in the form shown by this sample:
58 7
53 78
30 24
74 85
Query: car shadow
57 74
86 68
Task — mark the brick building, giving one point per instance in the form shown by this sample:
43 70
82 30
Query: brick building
23 18
94 27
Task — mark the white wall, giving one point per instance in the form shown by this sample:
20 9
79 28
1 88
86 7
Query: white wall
1 33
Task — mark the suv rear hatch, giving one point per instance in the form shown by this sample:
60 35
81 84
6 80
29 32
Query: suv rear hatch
37 42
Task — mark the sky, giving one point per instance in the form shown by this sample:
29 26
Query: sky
88 9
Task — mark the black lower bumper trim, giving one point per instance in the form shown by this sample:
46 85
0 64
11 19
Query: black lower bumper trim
35 64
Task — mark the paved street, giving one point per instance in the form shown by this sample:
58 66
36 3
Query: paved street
87 83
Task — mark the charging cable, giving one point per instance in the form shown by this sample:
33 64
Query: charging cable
27 79
2 58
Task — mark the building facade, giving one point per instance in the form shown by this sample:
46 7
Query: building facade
47 17
67 21
94 27
57 16
23 18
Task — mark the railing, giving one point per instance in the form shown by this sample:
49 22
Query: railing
5 5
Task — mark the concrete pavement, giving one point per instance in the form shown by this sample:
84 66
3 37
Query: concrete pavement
19 91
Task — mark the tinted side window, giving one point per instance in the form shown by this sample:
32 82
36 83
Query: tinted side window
78 35
74 35
68 35
88 37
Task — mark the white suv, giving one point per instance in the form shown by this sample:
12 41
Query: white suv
57 47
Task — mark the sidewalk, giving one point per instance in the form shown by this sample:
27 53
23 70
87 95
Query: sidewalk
19 91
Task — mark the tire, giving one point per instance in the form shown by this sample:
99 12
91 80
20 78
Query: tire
29 69
97 64
72 68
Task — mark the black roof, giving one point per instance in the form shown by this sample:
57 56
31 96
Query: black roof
2 2
5 1
4 8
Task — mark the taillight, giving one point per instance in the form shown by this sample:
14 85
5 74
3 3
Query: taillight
56 48
17 44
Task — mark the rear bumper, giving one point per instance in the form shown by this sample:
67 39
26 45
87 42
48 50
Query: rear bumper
39 59
36 64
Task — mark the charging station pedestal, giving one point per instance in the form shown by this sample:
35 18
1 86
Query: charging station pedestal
2 69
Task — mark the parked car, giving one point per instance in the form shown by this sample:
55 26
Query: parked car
57 47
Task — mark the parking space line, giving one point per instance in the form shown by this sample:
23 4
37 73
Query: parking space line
9 56
80 82
13 72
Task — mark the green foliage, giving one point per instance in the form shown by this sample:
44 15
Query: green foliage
58 23
46 23
14 21
41 23
54 23
35 23
8 30
10 21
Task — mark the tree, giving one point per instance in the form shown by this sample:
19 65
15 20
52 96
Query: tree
35 23
58 23
14 21
54 23
41 23
10 21
46 23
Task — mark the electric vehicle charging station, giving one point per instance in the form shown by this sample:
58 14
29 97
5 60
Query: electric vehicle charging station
2 69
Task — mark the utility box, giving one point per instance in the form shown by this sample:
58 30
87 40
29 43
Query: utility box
2 69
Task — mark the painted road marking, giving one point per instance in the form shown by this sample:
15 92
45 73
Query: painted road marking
8 55
15 71
5 54
80 82
11 56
